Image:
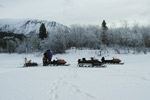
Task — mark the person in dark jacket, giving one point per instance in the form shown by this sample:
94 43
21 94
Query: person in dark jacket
103 59
49 56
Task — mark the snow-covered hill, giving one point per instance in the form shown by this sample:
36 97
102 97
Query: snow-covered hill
27 26
130 81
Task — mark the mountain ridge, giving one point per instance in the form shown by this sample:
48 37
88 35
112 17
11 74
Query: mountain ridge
27 26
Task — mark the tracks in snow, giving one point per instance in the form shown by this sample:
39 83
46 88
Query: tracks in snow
62 89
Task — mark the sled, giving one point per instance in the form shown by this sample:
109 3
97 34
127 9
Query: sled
30 64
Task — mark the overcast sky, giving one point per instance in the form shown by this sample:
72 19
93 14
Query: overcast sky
76 11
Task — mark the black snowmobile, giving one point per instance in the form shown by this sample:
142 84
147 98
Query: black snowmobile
90 63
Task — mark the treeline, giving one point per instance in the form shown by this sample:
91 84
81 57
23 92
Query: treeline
10 41
5 35
135 38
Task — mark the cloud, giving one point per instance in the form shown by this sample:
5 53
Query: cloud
145 13
76 11
67 2
1 6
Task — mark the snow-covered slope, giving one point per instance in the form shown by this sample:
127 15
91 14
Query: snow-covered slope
26 26
130 81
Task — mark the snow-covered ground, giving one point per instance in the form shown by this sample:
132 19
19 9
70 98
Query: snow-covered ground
130 81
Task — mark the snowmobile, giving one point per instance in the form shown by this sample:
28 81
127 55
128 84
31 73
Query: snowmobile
57 62
113 61
90 63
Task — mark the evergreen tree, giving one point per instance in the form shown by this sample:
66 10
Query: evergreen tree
104 27
42 33
104 33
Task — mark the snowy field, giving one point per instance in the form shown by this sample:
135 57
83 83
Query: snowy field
130 81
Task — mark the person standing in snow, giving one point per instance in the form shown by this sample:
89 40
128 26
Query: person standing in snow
45 63
103 59
49 56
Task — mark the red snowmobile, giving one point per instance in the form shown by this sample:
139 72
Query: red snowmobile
113 61
59 62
